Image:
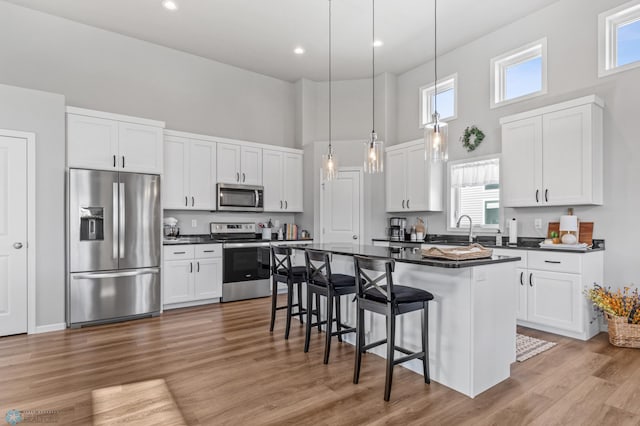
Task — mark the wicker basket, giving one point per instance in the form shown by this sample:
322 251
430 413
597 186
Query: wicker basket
623 334
473 251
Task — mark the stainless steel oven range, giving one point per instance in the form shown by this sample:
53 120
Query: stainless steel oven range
246 261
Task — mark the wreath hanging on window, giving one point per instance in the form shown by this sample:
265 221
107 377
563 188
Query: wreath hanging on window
472 138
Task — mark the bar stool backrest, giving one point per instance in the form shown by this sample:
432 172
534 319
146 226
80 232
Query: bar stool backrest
318 266
280 259
365 267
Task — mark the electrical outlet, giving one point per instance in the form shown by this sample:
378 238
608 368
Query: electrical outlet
194 223
537 223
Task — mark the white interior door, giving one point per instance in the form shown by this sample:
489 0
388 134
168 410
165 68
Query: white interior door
13 235
342 208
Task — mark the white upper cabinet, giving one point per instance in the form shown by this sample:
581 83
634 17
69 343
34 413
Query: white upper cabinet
104 141
282 180
239 164
189 173
552 156
412 183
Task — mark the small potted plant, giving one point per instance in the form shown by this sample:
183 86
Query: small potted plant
622 309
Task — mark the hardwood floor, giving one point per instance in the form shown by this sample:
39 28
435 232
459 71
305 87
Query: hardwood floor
219 364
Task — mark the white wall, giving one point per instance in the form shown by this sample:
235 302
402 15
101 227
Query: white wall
203 218
571 30
102 70
43 114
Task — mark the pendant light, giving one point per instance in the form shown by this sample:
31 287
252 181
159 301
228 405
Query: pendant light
329 163
373 148
435 134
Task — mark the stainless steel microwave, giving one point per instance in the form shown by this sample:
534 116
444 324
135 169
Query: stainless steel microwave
240 198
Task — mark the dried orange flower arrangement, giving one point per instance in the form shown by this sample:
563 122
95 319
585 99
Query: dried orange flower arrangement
620 303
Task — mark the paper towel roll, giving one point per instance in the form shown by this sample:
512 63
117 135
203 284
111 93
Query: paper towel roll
513 231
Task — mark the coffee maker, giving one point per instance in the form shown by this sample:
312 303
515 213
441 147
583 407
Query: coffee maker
397 228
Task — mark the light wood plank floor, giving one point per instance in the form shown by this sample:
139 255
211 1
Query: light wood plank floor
219 364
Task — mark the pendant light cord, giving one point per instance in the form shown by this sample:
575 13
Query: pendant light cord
435 59
330 151
373 68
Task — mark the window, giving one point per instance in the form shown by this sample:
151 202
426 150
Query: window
447 98
619 39
475 191
519 74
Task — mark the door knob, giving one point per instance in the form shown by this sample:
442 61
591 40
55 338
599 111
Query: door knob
17 246
355 237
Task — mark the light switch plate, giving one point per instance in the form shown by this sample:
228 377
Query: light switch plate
537 223
194 223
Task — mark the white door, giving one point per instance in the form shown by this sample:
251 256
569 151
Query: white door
202 175
178 281
554 299
521 174
396 178
175 191
13 236
272 178
228 163
417 184
567 156
208 279
92 143
140 148
341 208
292 182
251 165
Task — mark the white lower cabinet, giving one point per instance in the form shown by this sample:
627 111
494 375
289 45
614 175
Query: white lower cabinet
192 274
549 291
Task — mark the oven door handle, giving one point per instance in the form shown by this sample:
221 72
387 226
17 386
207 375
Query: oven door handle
244 245
257 199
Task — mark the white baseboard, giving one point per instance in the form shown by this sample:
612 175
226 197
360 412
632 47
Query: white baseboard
50 327
190 304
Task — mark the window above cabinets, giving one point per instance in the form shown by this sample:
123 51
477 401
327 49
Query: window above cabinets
619 39
519 74
475 191
447 98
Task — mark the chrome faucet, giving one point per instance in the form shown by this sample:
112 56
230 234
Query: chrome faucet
470 226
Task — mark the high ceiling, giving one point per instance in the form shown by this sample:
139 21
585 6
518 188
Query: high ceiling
260 35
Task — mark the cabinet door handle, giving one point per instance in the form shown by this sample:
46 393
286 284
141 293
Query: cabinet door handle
123 161
208 251
193 201
408 204
237 176
114 161
198 266
191 267
537 195
179 252
186 201
403 204
521 278
280 204
244 177
553 261
531 279
546 195
286 204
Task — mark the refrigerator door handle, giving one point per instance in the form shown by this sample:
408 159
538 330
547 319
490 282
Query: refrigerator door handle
122 221
115 220
102 275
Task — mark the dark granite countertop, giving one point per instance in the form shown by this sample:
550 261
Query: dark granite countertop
524 243
404 255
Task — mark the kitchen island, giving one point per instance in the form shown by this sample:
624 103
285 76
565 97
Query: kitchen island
472 319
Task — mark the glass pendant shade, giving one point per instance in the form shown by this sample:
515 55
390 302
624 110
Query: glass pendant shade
329 165
435 136
373 155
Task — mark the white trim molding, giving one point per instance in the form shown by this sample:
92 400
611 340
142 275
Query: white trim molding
522 54
49 328
116 117
608 24
427 92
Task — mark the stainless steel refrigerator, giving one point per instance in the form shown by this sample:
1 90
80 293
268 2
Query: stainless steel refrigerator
114 243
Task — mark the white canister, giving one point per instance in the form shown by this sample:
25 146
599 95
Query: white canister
266 233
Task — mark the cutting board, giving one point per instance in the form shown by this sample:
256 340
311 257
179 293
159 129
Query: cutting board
585 231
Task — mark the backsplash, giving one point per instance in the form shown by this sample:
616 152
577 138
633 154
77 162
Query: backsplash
203 218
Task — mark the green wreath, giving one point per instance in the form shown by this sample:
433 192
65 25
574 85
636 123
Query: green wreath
478 137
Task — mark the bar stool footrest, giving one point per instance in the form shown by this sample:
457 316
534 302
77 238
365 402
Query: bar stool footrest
413 355
373 345
345 331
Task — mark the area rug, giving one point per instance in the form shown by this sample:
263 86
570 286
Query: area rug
527 347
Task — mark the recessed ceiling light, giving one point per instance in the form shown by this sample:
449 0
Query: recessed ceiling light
298 50
170 4
377 43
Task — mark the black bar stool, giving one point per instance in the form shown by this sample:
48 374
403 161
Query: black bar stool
321 282
283 272
389 300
